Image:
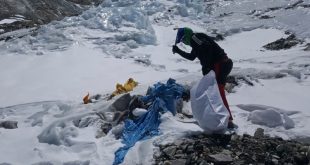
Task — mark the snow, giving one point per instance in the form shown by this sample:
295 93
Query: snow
12 19
7 21
268 117
43 78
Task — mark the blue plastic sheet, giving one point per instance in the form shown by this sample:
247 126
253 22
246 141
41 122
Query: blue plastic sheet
162 96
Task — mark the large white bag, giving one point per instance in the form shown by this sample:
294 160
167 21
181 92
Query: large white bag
207 105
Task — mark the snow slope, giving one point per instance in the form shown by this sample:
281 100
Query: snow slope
44 77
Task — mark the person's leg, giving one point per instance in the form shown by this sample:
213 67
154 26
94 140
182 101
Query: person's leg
223 95
222 69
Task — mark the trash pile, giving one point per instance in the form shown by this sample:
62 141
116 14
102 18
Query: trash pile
135 118
159 99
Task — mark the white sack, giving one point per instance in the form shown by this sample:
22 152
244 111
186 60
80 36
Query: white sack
138 112
207 105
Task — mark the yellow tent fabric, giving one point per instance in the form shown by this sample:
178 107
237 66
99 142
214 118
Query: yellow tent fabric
130 84
127 87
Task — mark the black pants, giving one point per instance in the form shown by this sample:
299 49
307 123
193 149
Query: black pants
222 70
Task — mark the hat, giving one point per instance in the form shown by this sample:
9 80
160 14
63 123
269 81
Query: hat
184 35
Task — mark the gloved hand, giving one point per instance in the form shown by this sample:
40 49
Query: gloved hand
175 49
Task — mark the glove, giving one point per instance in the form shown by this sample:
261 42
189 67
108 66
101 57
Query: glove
175 49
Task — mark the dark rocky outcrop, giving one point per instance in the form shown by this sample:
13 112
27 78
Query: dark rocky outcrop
233 149
8 124
233 81
266 17
283 43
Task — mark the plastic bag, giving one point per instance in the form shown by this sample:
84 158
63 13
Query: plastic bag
207 105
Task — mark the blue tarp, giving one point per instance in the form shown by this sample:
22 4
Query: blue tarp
162 96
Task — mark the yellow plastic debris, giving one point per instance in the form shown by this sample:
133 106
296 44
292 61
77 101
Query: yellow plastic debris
127 87
130 84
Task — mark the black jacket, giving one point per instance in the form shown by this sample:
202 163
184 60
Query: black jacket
206 50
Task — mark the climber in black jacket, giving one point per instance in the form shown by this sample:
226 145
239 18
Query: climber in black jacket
211 56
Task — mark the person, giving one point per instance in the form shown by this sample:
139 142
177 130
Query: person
211 56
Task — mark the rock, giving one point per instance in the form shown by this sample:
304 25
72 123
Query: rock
303 139
198 147
182 70
106 127
242 162
301 159
190 149
178 142
145 61
178 156
281 148
170 151
203 162
276 157
308 153
184 147
219 37
86 2
234 137
229 87
220 158
206 150
246 136
307 47
266 17
178 162
121 103
100 134
259 133
275 161
244 150
179 152
283 43
189 141
304 148
167 163
8 124
226 152
95 97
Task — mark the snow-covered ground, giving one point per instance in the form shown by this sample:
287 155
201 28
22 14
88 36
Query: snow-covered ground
43 78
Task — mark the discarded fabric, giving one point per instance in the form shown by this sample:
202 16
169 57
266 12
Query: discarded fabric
127 87
86 99
162 96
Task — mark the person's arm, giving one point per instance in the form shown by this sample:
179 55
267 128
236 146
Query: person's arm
189 56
